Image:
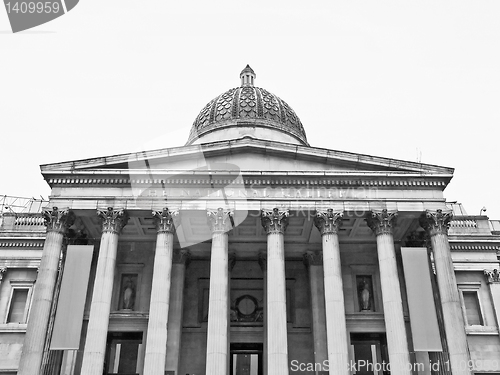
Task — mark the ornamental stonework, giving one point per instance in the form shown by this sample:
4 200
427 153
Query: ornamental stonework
57 220
328 221
220 220
164 220
182 256
3 270
313 258
492 276
436 222
112 220
247 103
381 222
275 221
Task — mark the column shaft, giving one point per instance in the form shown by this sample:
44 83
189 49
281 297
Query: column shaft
100 307
338 356
217 353
175 315
277 342
436 224
454 324
32 354
156 343
328 223
95 343
57 222
397 342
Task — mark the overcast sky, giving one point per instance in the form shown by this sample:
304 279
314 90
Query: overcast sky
417 81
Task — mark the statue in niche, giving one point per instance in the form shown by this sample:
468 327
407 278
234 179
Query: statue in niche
365 294
128 294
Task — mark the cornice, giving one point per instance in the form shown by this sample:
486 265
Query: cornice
379 180
257 145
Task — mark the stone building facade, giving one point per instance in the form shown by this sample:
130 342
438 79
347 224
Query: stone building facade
247 251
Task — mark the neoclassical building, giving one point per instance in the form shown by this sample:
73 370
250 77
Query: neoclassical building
246 252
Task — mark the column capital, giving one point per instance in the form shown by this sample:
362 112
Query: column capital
313 258
328 221
113 220
262 259
492 276
164 220
436 222
220 220
381 222
3 270
275 221
182 256
57 220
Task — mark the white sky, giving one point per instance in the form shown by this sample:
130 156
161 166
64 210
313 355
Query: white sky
402 79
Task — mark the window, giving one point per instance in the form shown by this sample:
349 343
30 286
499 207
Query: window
19 305
471 303
472 308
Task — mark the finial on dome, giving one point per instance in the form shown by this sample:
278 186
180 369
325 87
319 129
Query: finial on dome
247 76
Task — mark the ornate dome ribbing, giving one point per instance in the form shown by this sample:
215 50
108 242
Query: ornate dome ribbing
247 106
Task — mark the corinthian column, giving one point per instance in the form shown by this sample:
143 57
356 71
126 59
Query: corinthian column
180 261
156 343
275 223
218 308
113 222
381 224
314 262
493 279
436 224
57 222
328 223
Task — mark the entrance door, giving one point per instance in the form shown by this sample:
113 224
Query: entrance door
122 352
246 359
369 353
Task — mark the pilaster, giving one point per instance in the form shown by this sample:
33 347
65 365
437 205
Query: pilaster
493 280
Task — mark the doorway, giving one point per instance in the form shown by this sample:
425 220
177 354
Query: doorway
369 353
122 352
246 359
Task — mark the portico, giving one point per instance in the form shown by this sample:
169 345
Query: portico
249 252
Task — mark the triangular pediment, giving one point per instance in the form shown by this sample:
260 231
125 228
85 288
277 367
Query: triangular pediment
248 154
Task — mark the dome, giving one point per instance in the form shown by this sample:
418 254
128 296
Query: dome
248 110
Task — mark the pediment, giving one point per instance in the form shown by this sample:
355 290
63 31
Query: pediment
248 154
